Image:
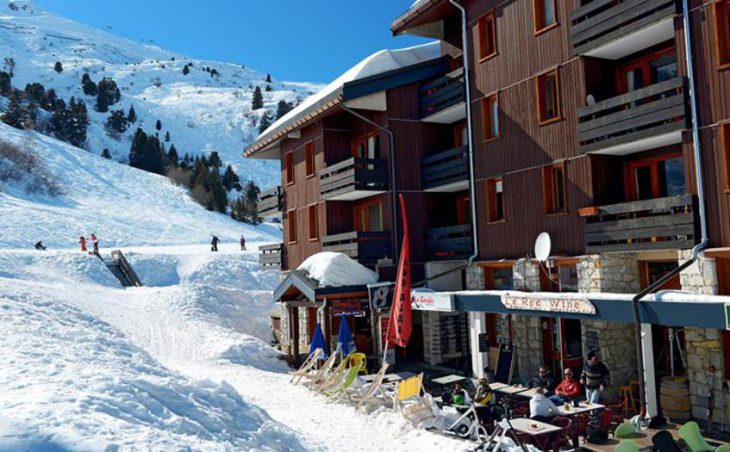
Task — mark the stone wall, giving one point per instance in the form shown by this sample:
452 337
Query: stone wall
704 348
526 275
616 273
528 344
701 276
616 348
474 277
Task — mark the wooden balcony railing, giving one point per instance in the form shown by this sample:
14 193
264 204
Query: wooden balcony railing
602 21
354 178
271 256
445 168
662 223
451 242
440 94
644 113
365 247
270 202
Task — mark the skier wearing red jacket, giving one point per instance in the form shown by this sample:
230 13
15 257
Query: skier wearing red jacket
82 240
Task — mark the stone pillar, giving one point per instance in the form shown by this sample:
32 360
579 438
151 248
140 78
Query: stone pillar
528 344
615 272
704 348
474 277
701 276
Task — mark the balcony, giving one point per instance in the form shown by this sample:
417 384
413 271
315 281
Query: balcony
653 224
353 179
442 100
271 256
365 247
451 242
271 203
643 119
612 29
446 172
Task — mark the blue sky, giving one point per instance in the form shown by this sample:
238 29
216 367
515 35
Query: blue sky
292 39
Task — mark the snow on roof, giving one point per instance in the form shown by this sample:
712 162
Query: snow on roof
377 63
337 270
674 296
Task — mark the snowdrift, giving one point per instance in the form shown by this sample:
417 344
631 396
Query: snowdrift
332 269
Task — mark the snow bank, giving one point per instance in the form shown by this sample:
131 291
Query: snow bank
336 269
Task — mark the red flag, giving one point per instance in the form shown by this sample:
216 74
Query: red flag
399 327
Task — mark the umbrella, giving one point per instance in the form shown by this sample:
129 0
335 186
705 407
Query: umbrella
345 344
318 341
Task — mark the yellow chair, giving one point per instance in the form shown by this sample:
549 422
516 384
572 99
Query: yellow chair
359 359
409 388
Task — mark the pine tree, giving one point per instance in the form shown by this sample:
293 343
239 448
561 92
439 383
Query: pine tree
199 185
186 70
58 67
50 100
268 78
106 154
214 161
217 191
17 114
268 88
265 122
137 150
282 108
230 178
258 99
132 115
117 121
5 84
167 136
172 157
108 94
158 125
250 200
78 122
89 87
155 156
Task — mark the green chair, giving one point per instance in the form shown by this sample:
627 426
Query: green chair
624 430
690 433
522 381
340 391
627 445
723 448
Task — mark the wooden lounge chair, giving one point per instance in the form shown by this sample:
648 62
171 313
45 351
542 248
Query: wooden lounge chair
317 374
331 379
362 396
307 365
409 401
340 390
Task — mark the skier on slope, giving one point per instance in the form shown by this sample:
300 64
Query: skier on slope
243 243
214 243
95 242
39 246
82 241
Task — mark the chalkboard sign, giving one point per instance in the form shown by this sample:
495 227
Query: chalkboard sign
592 344
504 364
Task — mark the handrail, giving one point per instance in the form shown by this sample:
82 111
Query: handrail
633 96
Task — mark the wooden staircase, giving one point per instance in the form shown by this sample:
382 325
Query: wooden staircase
120 268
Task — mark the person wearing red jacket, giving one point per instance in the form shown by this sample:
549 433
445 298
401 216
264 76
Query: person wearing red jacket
82 241
568 389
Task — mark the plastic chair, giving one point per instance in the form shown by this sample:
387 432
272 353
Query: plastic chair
563 437
625 430
359 359
580 425
723 448
627 445
522 381
690 433
664 442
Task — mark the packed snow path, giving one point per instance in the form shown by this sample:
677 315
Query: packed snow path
194 317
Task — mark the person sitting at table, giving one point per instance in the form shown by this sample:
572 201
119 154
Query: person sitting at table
541 408
568 389
485 402
542 379
459 395
595 377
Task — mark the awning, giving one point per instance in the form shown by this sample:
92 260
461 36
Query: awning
664 308
298 287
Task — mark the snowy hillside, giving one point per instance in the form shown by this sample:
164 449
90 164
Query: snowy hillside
201 112
122 205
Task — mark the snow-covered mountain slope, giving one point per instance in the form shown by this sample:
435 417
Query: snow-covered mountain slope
122 205
201 112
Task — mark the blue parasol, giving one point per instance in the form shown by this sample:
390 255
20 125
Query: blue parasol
318 342
345 344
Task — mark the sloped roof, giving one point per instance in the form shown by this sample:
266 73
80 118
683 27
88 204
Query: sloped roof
330 95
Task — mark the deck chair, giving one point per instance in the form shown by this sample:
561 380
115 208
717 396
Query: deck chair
340 391
307 365
368 394
690 433
332 379
627 445
409 401
359 359
318 374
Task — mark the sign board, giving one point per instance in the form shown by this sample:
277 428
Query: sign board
432 301
381 295
348 308
531 303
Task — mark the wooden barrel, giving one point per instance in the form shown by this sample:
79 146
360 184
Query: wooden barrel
674 399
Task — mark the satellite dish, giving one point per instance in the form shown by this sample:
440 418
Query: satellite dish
542 247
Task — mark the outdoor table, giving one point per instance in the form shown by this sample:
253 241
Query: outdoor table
511 390
448 379
583 407
496 386
533 427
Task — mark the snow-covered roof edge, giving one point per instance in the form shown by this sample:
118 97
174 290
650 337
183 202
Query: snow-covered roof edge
377 63
417 7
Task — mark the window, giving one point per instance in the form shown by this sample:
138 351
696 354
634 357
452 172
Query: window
547 89
725 133
313 222
722 33
554 187
369 216
544 15
562 276
498 277
291 219
461 135
309 158
495 200
490 118
289 167
366 147
486 28
656 178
